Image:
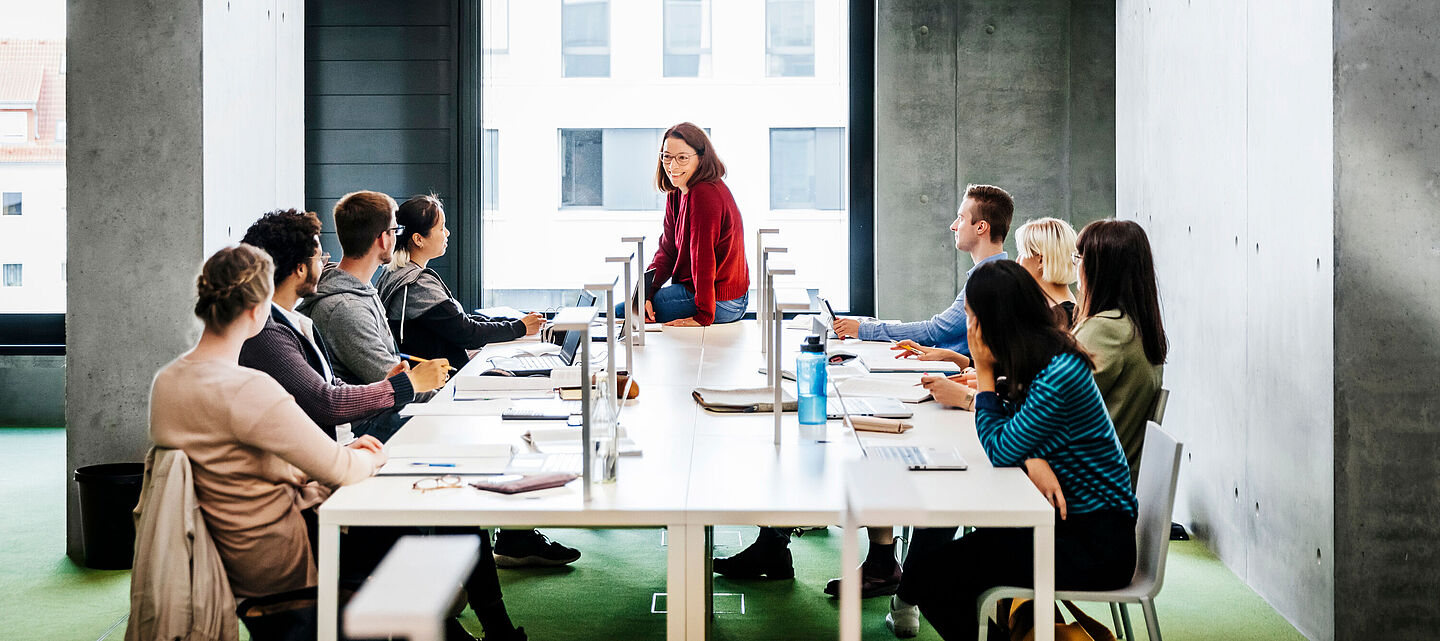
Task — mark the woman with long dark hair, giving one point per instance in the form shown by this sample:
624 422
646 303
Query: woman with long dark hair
1120 326
1037 400
702 249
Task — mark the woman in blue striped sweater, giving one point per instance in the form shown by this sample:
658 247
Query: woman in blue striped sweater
1037 404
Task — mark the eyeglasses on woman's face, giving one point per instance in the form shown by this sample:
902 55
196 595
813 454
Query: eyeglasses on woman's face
684 159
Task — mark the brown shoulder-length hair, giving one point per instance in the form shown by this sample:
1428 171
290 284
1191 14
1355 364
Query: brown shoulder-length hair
709 169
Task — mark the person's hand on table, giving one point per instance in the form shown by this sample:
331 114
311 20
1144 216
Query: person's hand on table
683 322
1040 473
846 328
429 375
911 349
649 311
949 392
366 442
533 321
402 366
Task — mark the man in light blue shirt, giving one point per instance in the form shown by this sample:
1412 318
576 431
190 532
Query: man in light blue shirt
980 228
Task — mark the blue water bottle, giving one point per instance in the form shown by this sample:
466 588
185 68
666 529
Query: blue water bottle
810 381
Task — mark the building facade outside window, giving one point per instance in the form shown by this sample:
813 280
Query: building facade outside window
495 25
578 159
13 203
790 38
490 168
14 275
585 38
807 168
687 38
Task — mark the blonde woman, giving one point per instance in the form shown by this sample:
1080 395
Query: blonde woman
1046 248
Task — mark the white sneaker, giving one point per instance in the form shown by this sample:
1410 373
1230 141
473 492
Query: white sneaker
904 619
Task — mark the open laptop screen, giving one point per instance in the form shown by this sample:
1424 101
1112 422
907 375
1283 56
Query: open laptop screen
571 344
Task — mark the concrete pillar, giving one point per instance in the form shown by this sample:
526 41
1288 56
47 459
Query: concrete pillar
146 204
1026 93
1387 319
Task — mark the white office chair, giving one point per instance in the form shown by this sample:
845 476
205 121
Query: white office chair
1159 469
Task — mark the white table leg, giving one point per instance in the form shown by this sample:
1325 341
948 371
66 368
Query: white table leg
328 604
698 597
677 556
850 580
1045 583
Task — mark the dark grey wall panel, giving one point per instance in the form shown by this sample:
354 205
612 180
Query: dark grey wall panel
379 112
380 77
377 146
378 43
377 12
400 181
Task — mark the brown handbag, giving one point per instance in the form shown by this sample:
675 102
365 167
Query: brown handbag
1020 622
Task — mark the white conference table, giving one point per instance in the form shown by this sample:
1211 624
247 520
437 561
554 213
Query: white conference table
698 470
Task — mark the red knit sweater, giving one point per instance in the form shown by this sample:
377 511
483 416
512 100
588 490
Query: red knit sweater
703 247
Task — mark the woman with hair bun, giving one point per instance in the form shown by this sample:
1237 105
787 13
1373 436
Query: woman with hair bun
257 460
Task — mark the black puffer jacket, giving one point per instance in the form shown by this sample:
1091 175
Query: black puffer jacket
428 322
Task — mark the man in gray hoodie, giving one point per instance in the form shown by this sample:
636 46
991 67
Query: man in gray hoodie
345 306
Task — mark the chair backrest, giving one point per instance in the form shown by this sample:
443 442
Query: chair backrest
1159 470
1157 411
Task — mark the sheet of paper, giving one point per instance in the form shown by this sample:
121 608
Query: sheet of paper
476 382
489 407
501 311
898 386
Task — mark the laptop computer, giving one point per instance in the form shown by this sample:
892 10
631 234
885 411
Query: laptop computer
543 364
913 456
867 406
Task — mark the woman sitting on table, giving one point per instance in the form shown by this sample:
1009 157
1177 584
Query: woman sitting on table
1120 326
424 316
1037 401
702 249
1046 248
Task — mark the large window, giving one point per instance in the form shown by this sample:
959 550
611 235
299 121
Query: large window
609 168
32 166
807 168
581 143
585 38
687 38
495 25
789 38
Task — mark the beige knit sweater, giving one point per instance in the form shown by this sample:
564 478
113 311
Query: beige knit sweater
258 460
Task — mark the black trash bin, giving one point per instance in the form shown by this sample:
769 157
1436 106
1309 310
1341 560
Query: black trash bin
108 494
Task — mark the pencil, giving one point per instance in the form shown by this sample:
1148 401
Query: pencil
417 359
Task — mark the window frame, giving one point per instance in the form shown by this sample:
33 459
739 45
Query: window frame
19 204
706 37
564 49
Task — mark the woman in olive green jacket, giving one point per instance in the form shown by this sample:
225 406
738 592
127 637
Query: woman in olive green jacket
1119 324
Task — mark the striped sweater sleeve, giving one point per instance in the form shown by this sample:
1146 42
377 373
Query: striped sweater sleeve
1010 439
279 353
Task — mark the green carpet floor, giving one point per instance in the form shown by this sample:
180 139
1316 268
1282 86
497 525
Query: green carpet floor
608 594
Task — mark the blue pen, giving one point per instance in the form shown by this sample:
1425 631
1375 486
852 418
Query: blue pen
433 464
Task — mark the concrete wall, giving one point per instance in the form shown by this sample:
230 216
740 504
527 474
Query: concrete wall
1387 319
1223 154
144 146
32 391
1031 87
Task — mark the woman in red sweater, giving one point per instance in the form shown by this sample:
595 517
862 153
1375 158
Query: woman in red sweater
702 250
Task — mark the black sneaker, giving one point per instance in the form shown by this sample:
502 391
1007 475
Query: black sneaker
522 548
872 583
770 561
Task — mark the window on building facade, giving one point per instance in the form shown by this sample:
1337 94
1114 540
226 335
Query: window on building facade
490 166
495 25
789 38
60 130
14 275
807 168
613 169
14 127
12 203
687 38
585 38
